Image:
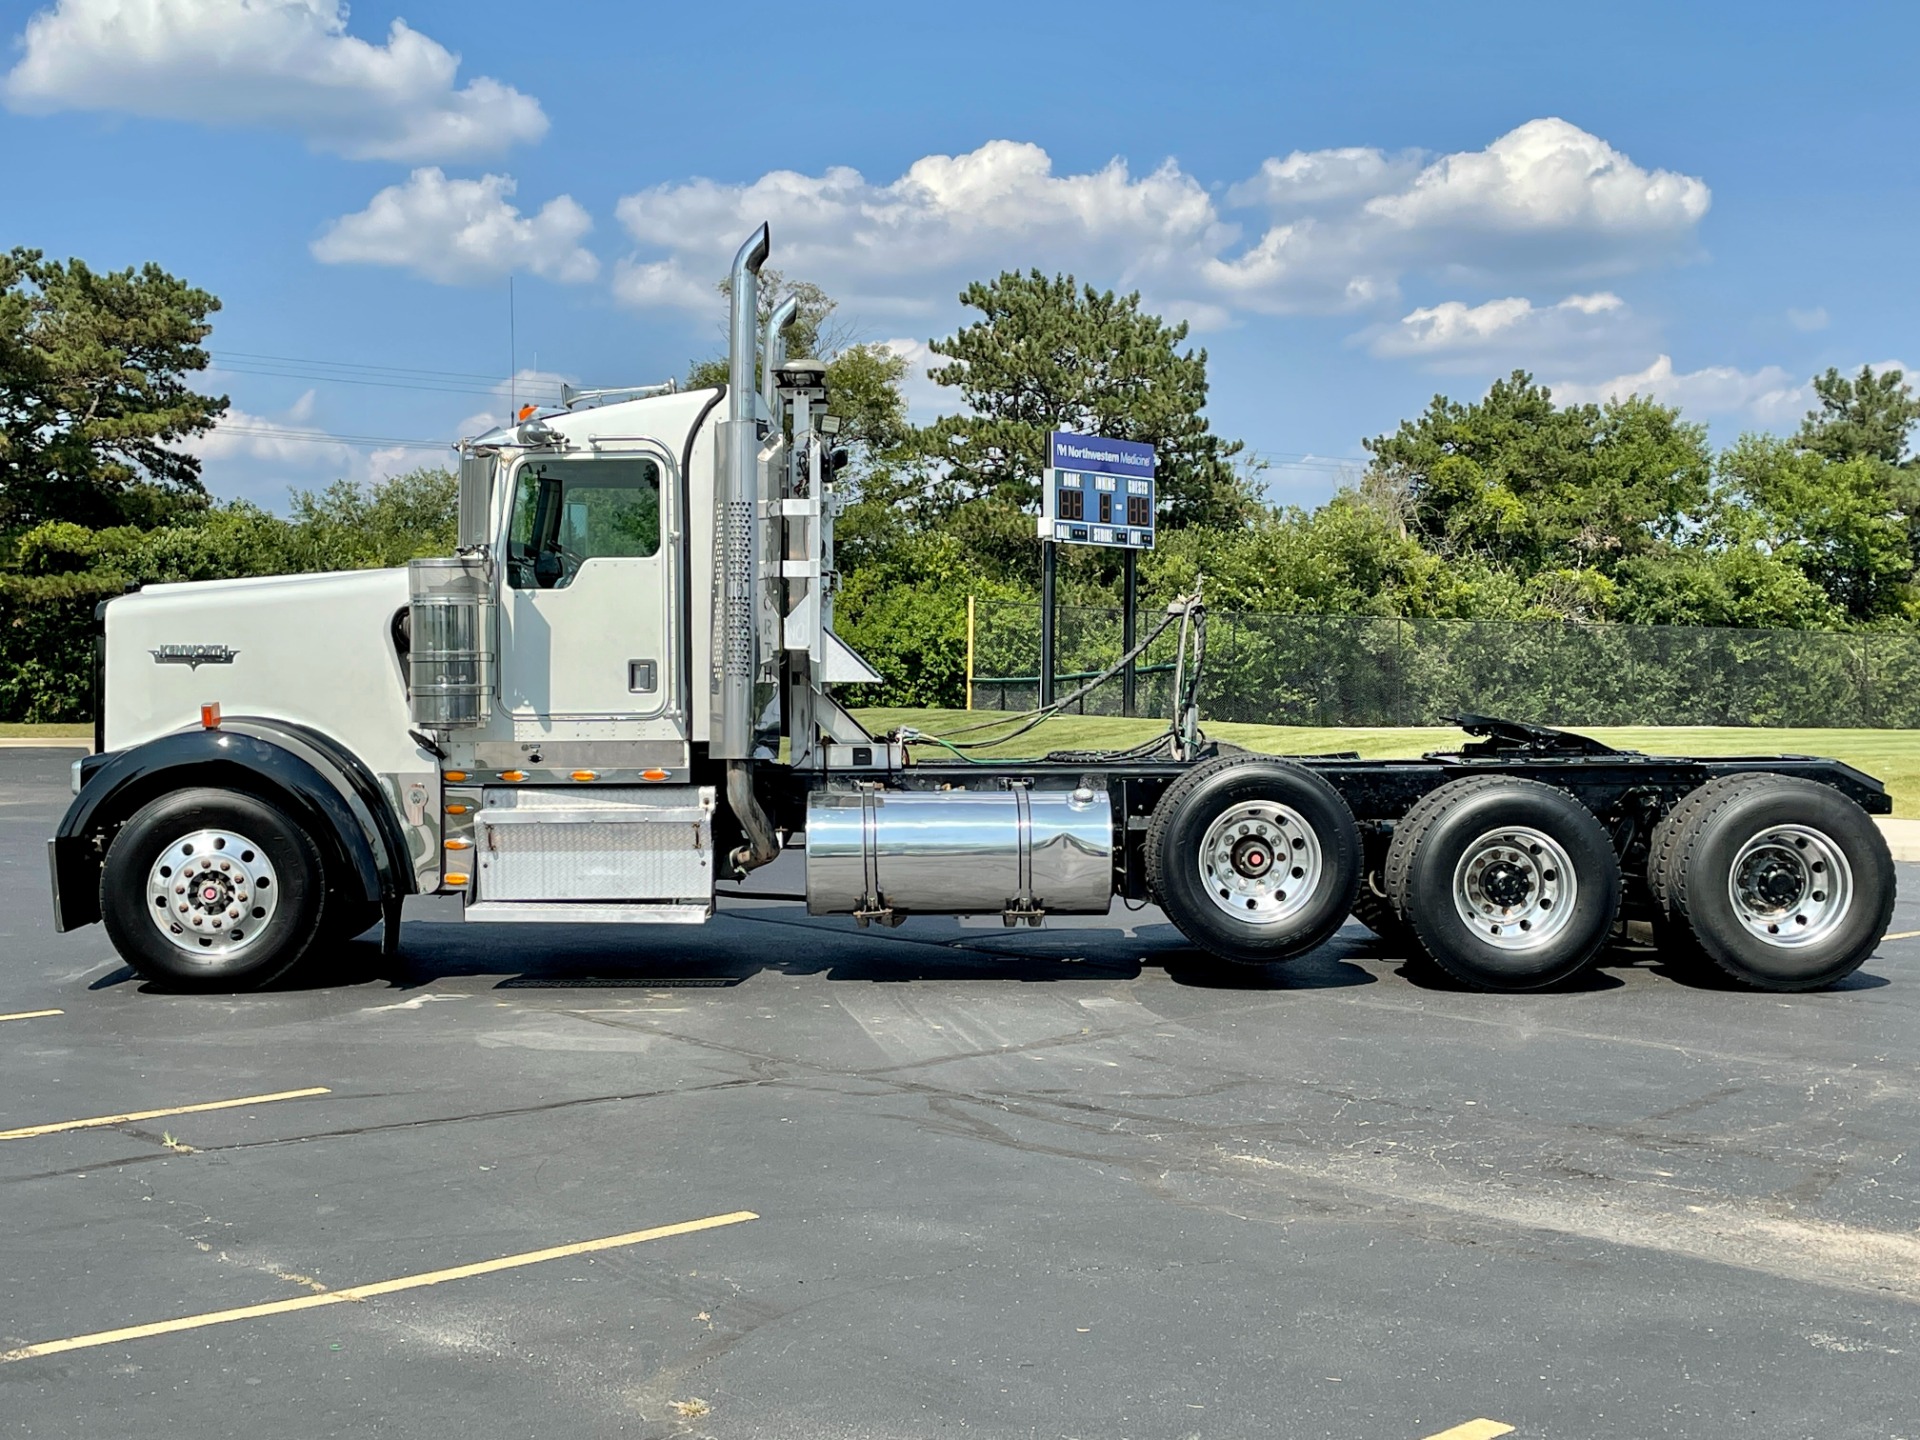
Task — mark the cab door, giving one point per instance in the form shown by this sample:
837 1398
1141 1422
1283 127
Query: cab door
588 643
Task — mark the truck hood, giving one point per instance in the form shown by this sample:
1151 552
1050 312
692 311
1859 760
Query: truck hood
317 650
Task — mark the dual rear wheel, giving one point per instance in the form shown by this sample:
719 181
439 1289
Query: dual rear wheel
1506 883
1770 881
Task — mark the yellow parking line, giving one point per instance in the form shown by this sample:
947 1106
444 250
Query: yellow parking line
1472 1430
99 1120
1897 935
32 1015
368 1292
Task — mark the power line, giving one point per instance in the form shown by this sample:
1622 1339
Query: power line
553 395
379 377
548 393
370 442
1293 460
359 365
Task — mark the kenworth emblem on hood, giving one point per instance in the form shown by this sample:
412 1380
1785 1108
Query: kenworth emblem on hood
193 656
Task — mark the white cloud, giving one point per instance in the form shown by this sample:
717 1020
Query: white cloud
1345 225
1548 177
1814 319
528 387
460 232
1546 199
284 63
874 245
644 285
925 400
1769 395
1325 178
261 457
1457 332
269 439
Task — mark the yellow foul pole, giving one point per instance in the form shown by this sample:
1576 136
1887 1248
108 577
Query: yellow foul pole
969 652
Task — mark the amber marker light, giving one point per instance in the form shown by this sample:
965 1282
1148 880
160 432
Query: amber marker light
513 777
210 716
453 777
653 774
585 775
454 877
458 809
459 844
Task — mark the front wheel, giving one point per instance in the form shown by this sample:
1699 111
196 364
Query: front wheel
1507 883
212 890
1254 859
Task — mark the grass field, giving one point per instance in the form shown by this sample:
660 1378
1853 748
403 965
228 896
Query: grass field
1892 756
11 731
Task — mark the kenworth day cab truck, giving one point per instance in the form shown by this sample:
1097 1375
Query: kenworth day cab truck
618 692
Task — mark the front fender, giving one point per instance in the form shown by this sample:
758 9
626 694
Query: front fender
346 812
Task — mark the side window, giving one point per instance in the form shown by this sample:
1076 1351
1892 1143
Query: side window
567 512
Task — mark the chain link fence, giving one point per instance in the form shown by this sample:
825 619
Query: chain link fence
1361 670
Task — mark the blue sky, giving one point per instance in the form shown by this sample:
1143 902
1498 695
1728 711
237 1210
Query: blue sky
1357 206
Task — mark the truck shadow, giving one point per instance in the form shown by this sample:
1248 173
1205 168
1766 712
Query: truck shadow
740 945
725 954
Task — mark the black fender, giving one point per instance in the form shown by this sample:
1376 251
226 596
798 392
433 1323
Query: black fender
321 782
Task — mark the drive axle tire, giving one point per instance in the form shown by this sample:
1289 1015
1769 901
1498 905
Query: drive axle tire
1672 938
1784 884
1373 910
1507 884
212 890
1254 859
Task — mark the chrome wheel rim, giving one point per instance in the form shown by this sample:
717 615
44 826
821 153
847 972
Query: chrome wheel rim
213 893
1791 886
1515 888
1260 862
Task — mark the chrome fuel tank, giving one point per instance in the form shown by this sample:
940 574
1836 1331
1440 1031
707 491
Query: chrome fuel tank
882 854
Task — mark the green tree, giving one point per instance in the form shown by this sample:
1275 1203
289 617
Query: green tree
352 526
863 381
1741 586
94 399
1529 485
1868 417
1050 354
809 335
1837 522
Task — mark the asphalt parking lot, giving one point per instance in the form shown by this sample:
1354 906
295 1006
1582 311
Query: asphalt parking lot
779 1177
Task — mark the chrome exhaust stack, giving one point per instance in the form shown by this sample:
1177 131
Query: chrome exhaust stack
736 491
736 564
773 353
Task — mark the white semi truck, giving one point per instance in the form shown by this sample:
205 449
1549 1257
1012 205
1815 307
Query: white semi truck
618 693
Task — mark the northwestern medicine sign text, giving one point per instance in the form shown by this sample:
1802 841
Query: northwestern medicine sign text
1098 491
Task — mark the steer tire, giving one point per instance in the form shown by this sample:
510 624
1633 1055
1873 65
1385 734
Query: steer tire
1488 838
1831 864
1254 918
256 839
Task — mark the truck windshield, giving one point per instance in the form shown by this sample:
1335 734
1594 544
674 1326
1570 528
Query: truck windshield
567 512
